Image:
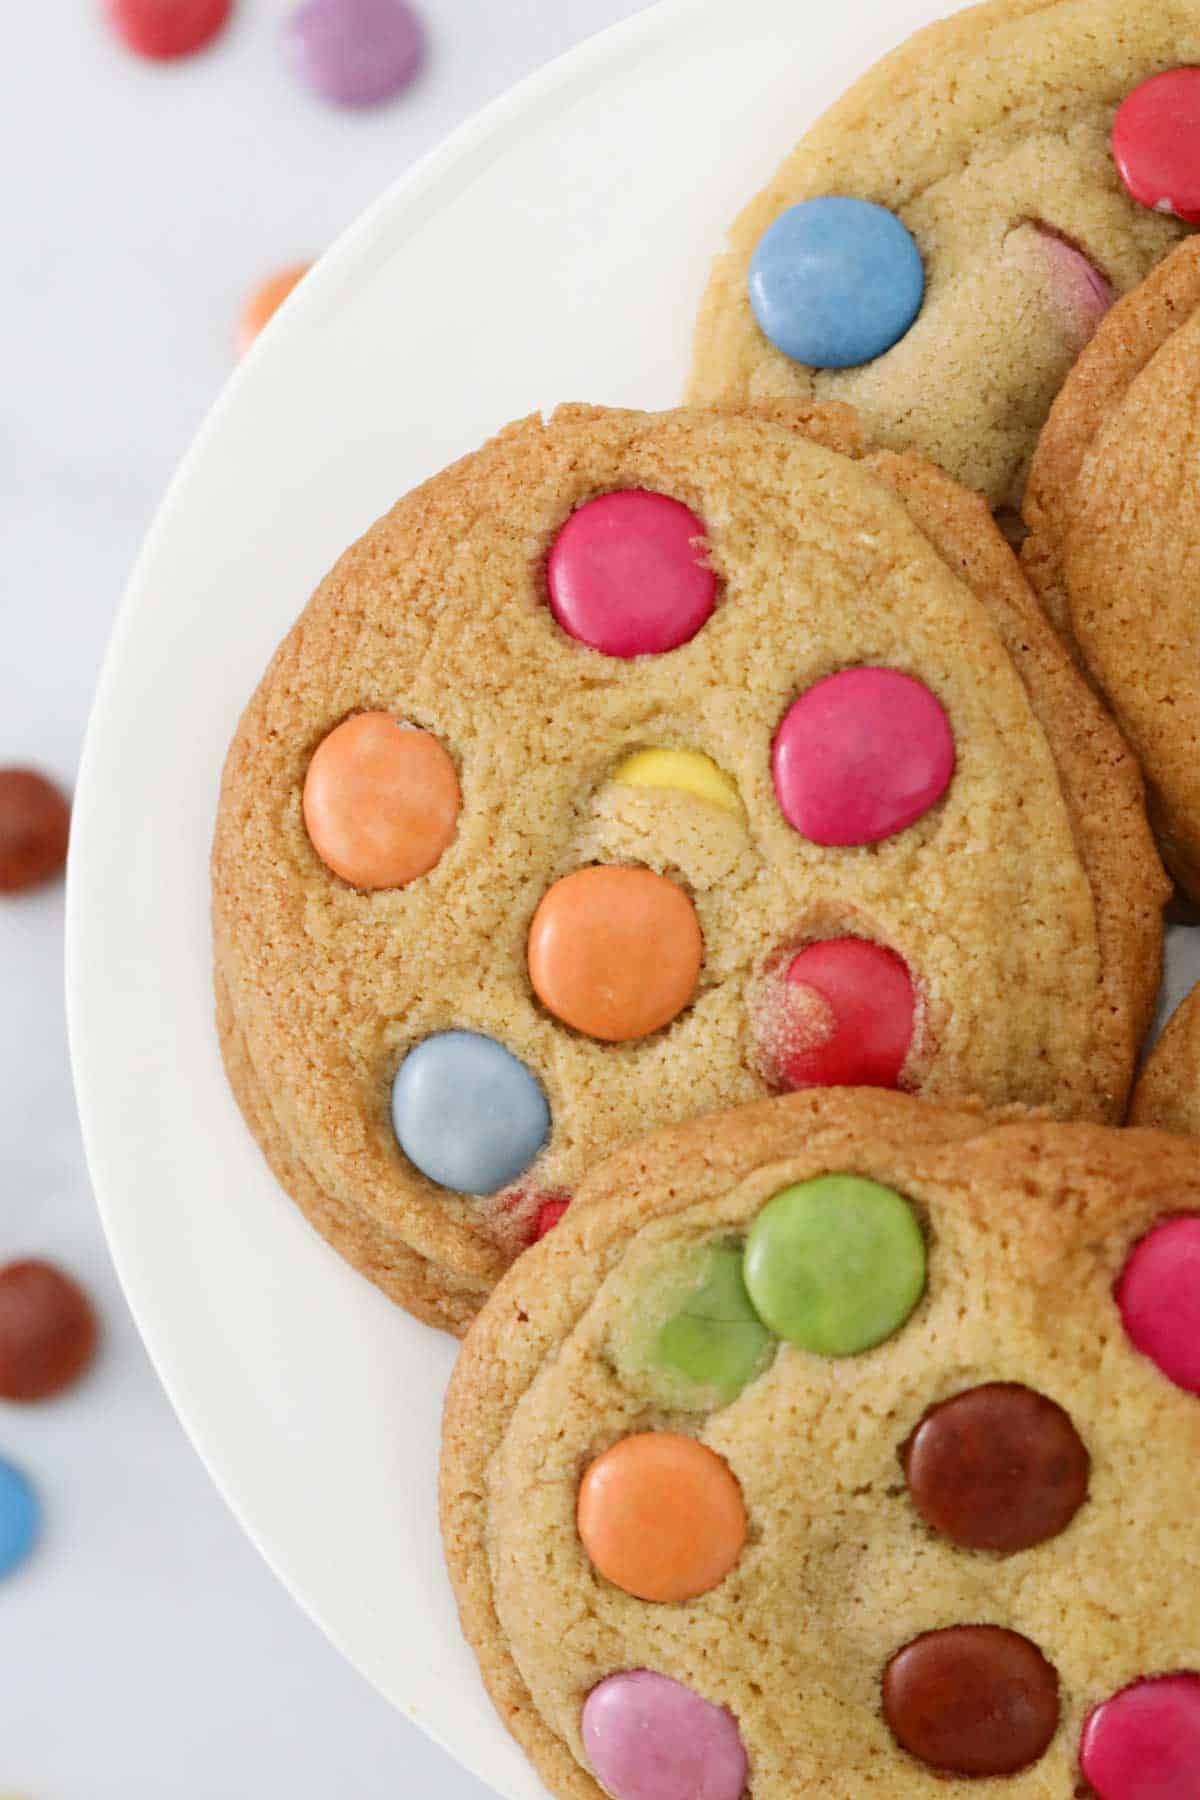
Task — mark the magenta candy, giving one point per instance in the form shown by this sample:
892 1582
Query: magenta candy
627 574
1156 143
650 1738
1144 1743
355 52
861 755
1159 1298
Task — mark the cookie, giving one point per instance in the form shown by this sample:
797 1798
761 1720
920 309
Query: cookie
1167 1092
939 247
844 1444
488 900
1115 535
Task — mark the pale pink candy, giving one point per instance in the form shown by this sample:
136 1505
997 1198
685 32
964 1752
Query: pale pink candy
650 1738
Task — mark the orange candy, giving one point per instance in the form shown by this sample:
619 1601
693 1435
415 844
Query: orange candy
381 801
615 952
661 1517
265 302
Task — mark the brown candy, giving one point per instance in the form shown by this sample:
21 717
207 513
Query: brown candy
47 1331
35 820
972 1700
998 1467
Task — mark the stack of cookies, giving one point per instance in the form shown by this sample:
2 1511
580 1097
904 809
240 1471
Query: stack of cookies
809 751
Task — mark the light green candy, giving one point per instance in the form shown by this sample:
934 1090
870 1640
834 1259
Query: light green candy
835 1264
716 1339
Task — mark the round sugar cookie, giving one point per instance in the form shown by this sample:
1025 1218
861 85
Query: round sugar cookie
986 144
970 1551
489 901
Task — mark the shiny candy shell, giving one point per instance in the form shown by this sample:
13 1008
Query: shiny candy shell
835 282
862 755
627 574
840 1014
1156 143
835 1264
47 1331
467 1112
661 1516
20 1516
1144 1743
381 801
1159 1298
972 1700
355 52
650 1738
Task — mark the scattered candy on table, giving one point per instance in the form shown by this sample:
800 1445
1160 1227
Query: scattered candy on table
20 1516
972 1700
265 302
835 282
627 574
467 1112
35 824
661 1516
48 1331
355 52
381 801
1156 143
164 29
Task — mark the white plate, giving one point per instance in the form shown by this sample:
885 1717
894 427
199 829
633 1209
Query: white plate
554 249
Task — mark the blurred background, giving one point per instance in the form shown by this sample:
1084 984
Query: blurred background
147 1653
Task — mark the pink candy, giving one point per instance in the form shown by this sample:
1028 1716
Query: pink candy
1156 143
861 756
1144 1743
650 1738
1159 1298
627 574
841 1016
1077 287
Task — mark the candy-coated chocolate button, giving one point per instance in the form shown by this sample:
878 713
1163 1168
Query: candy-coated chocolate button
1081 293
841 1014
381 801
161 29
467 1112
998 1467
627 574
835 282
1144 1743
690 771
355 52
20 1516
861 756
265 302
661 1517
972 1700
650 1738
835 1264
615 952
47 1331
35 823
716 1340
1159 1298
1156 143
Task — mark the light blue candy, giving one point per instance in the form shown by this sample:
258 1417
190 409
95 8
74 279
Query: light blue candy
467 1112
20 1517
835 282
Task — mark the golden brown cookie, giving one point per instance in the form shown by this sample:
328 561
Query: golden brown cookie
1167 1092
1114 548
560 895
987 136
841 1445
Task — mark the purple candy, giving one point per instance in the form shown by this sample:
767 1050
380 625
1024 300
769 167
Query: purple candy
650 1738
355 52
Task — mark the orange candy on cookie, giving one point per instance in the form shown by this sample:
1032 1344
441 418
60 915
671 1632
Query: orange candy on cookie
381 801
661 1516
615 952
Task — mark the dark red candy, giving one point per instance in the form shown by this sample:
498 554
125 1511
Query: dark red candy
548 1215
972 1700
35 823
47 1331
998 1467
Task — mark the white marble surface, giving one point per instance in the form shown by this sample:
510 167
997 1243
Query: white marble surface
147 1653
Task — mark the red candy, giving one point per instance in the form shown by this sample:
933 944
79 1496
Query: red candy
1159 1298
35 824
627 575
1156 143
548 1215
861 756
47 1331
1144 1743
841 1015
162 29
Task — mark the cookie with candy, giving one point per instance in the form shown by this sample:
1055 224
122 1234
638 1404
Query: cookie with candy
844 1443
642 764
940 246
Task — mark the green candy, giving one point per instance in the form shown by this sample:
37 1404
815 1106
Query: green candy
716 1339
835 1264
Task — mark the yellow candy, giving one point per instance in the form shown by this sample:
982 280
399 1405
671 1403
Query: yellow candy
689 770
